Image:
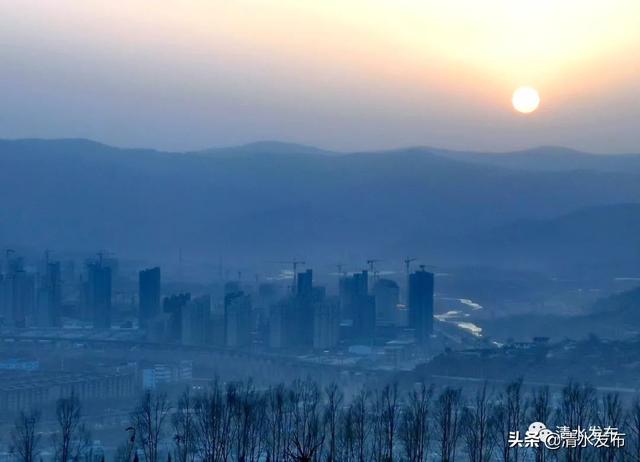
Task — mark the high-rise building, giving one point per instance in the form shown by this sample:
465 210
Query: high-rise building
268 294
49 298
301 328
148 295
278 316
357 305
352 290
292 320
99 294
387 295
173 306
17 295
305 284
365 320
421 304
326 323
196 316
237 319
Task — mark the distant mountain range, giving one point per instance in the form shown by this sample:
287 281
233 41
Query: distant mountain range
543 208
550 158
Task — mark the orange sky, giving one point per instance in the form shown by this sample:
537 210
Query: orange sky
345 74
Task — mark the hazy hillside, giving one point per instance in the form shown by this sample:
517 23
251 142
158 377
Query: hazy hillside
598 238
623 305
550 158
616 316
269 200
266 147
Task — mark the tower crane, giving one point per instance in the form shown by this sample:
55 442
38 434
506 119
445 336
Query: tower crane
371 264
407 263
294 263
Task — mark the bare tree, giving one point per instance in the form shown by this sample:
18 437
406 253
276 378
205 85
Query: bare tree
610 413
540 410
447 420
148 419
377 439
634 423
390 411
359 426
307 432
213 419
509 414
385 407
414 427
479 427
248 418
185 429
25 439
345 449
332 414
71 441
577 408
278 423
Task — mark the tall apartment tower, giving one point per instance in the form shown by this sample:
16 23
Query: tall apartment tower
99 294
49 298
148 295
237 319
421 304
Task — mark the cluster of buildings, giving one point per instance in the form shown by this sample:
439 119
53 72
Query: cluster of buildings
28 298
19 391
160 374
360 310
35 298
302 318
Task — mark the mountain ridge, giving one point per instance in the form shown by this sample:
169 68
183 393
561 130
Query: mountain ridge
276 146
84 195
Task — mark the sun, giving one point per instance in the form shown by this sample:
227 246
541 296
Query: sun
525 100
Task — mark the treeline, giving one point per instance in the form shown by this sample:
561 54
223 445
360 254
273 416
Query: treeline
302 422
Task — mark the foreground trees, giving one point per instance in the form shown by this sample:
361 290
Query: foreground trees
301 422
148 420
25 436
72 440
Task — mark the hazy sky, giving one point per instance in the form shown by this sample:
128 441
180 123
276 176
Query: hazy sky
341 74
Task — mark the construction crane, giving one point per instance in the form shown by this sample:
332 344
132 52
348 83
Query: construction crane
371 264
340 266
407 269
407 263
294 263
372 269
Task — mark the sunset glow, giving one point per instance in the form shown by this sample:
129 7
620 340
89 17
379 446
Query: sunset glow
525 100
398 64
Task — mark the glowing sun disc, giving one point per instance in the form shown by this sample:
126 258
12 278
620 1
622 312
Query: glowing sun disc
525 100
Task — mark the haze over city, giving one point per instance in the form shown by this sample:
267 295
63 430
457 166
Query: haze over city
319 231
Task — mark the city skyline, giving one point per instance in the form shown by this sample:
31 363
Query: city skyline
319 231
